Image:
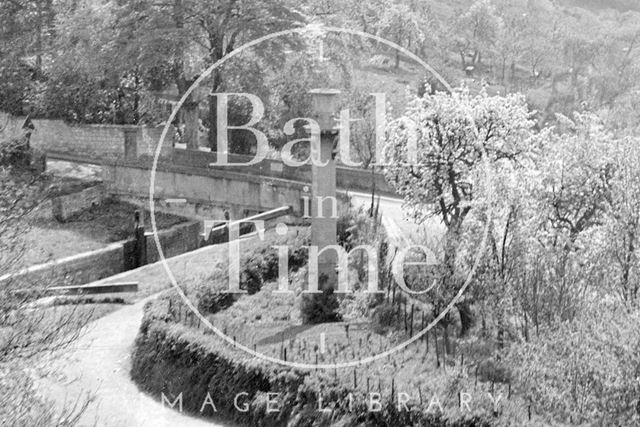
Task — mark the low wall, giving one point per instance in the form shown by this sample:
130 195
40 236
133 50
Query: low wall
65 206
177 240
94 265
213 191
350 179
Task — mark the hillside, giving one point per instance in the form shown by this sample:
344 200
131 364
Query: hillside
601 5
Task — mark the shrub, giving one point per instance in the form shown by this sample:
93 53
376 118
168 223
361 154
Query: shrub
212 301
320 308
298 257
251 278
14 148
270 266
383 318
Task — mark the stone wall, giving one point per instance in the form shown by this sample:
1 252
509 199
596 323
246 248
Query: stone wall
349 179
98 264
96 143
101 142
65 206
215 191
174 241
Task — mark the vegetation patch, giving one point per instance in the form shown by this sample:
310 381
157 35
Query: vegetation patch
175 360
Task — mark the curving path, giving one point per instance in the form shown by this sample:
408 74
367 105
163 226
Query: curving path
398 227
99 361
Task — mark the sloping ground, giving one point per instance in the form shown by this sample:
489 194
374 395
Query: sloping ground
99 362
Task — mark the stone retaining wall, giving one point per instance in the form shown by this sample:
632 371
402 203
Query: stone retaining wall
98 264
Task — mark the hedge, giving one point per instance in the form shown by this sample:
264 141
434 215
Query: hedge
172 359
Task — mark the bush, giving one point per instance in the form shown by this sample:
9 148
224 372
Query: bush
14 148
212 301
383 318
15 84
251 278
320 308
270 266
299 257
259 266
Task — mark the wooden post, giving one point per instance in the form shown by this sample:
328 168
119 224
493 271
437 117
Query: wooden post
393 295
435 344
140 247
404 311
476 384
411 322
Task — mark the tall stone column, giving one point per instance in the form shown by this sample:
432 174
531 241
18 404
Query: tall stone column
324 205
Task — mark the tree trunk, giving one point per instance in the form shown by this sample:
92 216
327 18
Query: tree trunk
213 113
467 318
191 125
373 190
447 341
136 99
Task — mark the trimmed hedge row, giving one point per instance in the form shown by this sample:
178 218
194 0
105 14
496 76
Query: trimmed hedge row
172 359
